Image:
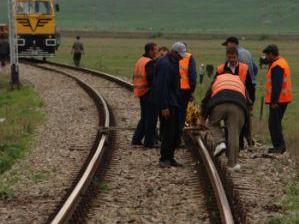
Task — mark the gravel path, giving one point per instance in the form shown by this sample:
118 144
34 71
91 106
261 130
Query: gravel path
138 190
62 144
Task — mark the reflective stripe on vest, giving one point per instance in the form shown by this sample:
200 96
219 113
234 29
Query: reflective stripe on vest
286 95
139 80
243 70
184 71
228 82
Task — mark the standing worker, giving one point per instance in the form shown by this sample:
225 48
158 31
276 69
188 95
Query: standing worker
4 50
188 78
245 57
77 51
142 81
279 95
166 95
226 100
235 67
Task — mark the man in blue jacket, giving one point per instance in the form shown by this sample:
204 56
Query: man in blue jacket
166 95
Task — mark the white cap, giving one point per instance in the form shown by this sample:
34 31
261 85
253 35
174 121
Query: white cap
180 48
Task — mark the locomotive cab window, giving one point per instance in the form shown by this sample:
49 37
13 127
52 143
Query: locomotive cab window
42 7
34 7
23 8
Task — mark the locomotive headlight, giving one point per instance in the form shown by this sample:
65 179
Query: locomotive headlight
51 42
21 42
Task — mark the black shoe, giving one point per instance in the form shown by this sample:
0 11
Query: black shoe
174 163
137 143
277 150
164 163
154 146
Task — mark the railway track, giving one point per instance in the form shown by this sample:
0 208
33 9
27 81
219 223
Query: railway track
118 177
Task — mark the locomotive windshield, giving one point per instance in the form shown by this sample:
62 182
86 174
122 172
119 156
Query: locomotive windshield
34 7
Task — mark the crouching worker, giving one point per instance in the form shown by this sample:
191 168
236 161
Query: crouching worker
226 101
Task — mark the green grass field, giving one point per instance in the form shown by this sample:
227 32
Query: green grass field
213 16
21 111
117 56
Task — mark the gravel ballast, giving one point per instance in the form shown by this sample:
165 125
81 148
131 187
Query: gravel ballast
41 179
136 189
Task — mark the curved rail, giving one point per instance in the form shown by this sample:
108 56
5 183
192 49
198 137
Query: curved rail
220 195
222 202
65 212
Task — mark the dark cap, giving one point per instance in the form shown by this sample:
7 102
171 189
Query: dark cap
272 48
232 40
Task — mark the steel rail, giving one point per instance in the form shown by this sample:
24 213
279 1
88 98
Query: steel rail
69 206
217 185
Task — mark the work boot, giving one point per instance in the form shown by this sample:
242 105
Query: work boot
174 163
137 143
220 148
277 150
164 163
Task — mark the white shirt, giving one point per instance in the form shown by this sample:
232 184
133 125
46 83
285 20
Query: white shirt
233 67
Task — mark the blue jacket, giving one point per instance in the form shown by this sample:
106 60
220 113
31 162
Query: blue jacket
166 83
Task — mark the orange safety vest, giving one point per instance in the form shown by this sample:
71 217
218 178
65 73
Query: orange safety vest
228 82
184 67
286 95
139 80
243 70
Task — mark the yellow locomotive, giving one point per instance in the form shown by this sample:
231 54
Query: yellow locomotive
36 28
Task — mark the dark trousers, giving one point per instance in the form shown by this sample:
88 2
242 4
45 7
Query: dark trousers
170 134
274 124
185 97
146 127
77 58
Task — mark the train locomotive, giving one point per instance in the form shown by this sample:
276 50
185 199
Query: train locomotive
37 35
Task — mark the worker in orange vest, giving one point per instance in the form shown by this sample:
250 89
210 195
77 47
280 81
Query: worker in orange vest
226 100
142 80
278 96
235 67
188 76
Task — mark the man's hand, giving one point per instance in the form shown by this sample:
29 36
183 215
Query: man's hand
274 105
165 113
